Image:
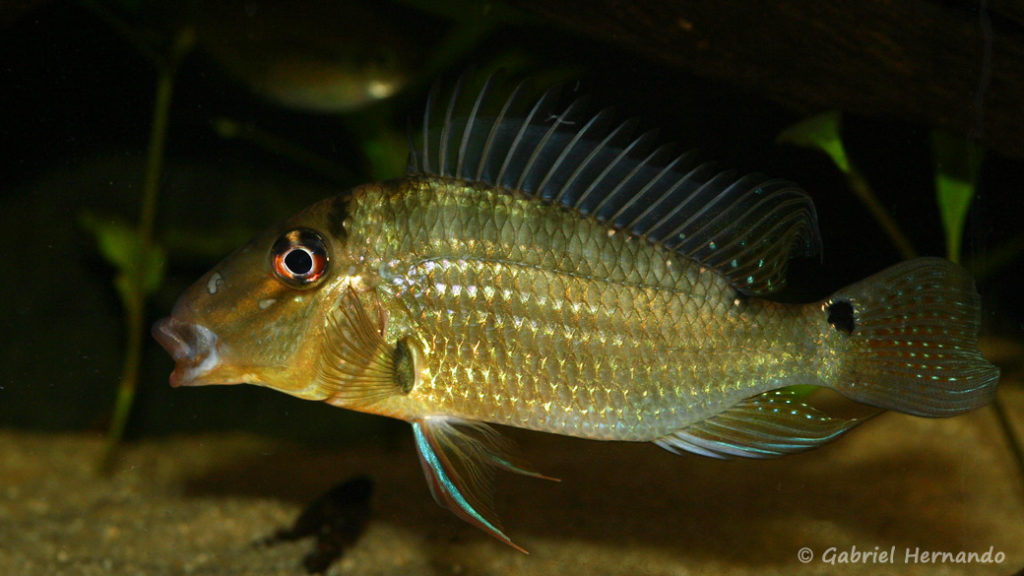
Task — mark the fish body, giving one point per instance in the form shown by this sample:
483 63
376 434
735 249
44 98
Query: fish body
526 315
540 270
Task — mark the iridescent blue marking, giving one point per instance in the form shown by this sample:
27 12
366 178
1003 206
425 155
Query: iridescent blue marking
427 451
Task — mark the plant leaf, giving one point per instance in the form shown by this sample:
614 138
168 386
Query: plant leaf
957 164
821 132
118 243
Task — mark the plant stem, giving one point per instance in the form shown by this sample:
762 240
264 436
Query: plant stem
135 301
860 187
1011 439
274 144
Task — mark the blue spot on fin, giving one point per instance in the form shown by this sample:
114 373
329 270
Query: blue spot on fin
917 326
745 226
458 458
765 426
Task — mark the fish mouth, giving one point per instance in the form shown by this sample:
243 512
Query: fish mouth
193 347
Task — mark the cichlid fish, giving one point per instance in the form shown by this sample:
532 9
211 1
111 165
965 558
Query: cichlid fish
539 267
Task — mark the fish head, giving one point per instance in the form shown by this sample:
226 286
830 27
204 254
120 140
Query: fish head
256 317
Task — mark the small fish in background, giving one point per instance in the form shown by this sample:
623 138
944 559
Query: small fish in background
540 267
315 57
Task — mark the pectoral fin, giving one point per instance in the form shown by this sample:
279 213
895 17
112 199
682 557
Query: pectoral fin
765 426
458 459
357 365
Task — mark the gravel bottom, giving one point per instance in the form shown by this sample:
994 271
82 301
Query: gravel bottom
198 505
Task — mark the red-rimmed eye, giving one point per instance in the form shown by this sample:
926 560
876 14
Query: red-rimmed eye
299 257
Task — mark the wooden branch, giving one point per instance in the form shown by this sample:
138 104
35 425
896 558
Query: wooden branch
941 64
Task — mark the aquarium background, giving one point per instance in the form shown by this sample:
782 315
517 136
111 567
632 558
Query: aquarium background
276 105
79 86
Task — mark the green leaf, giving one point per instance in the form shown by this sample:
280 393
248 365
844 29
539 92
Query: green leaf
118 243
821 132
957 163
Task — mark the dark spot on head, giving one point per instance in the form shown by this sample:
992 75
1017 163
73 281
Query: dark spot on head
840 316
337 214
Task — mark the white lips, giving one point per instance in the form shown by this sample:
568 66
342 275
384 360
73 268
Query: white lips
193 347
207 342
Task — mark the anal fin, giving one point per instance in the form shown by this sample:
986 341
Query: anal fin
765 426
458 458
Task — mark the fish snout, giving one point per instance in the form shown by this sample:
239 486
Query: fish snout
193 347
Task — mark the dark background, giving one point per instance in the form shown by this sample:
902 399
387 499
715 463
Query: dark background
75 109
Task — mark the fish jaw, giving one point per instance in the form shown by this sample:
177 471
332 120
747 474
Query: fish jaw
195 350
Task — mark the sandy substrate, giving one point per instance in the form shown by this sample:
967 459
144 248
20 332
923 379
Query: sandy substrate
196 505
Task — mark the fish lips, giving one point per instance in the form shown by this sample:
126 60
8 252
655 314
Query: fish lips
193 347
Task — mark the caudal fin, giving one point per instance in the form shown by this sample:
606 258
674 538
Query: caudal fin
909 340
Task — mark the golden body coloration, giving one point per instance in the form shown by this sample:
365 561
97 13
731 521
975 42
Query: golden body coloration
536 268
529 316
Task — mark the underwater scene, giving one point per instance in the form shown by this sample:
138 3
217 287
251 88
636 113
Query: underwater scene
518 287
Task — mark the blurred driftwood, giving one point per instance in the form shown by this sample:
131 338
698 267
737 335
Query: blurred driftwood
953 65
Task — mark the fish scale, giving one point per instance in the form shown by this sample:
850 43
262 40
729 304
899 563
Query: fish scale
539 267
533 366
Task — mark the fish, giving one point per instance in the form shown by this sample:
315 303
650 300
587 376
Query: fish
320 59
541 266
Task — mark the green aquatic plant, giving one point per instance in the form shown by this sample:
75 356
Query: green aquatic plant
824 133
130 248
132 251
957 165
139 265
821 132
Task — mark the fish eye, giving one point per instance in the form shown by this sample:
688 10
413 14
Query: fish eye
299 257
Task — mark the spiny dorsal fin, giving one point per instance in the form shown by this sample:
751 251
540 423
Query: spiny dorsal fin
745 226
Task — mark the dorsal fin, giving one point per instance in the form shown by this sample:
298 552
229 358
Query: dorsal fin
745 226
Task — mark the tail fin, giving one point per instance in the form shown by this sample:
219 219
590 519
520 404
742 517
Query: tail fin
910 335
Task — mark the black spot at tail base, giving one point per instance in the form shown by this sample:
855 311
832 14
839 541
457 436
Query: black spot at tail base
840 316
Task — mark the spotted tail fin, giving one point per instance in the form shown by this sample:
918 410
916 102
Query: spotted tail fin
908 338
